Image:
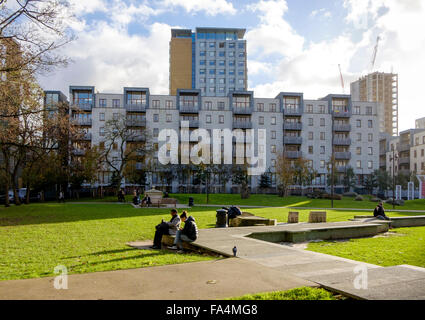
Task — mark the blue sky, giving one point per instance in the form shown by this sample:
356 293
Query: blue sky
292 45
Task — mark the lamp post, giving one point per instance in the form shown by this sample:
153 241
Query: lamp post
393 159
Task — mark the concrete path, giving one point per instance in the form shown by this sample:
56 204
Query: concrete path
190 281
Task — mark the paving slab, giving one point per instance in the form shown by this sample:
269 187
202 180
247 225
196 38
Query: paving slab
173 282
390 283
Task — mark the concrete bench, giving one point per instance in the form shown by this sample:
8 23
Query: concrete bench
247 219
398 222
317 217
293 217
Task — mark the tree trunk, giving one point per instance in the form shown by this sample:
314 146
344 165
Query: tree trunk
15 194
7 200
27 196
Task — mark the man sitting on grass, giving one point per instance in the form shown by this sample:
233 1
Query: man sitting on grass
169 228
379 212
188 234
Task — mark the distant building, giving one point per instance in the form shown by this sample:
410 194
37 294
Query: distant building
212 60
382 88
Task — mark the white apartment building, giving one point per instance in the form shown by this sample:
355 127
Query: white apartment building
312 129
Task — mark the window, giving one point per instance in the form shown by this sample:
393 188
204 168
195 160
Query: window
370 151
101 116
155 104
221 80
359 137
415 154
273 134
220 105
369 124
273 163
211 54
221 63
359 164
231 53
211 71
422 152
273 148
322 109
212 63
156 117
232 73
322 149
370 164
155 132
202 62
211 80
169 103
221 45
310 149
208 105
322 122
222 72
359 151
241 54
370 137
102 103
241 45
169 118
368 110
310 122
201 44
211 44
202 53
231 45
208 118
273 120
358 123
261 120
322 135
115 103
221 119
273 107
260 106
322 163
115 116
101 131
202 71
221 54
231 63
356 110
310 135
241 64
309 108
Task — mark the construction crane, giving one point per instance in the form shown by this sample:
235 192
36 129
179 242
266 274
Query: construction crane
342 79
375 51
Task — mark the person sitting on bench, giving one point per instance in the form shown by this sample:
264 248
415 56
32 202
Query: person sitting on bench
188 234
146 200
169 228
379 212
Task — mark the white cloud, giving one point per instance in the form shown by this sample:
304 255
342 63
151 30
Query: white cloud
211 7
323 13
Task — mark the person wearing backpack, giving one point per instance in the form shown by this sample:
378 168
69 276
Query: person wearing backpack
188 233
169 228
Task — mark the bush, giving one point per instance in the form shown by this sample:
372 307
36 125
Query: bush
375 200
350 194
396 202
359 198
335 196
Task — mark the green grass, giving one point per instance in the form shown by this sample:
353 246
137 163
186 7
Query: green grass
303 293
91 237
404 246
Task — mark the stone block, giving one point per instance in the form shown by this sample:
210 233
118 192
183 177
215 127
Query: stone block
293 217
317 217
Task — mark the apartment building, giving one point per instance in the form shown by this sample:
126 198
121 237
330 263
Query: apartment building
417 152
312 129
383 88
213 60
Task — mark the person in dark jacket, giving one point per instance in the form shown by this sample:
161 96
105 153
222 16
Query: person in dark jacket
379 212
188 233
169 228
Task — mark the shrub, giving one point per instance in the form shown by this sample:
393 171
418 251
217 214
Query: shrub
375 200
359 198
335 196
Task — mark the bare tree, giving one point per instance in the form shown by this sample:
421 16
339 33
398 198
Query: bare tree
285 173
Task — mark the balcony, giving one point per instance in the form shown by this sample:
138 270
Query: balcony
136 123
404 160
292 140
242 125
342 155
342 127
82 106
341 114
292 126
293 112
342 142
82 122
401 147
78 152
293 154
136 139
135 107
192 123
241 110
191 138
188 109
341 169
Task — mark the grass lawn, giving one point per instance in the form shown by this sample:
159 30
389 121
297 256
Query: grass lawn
405 246
276 201
91 237
303 293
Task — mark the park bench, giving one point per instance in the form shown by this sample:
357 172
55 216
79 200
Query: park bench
247 219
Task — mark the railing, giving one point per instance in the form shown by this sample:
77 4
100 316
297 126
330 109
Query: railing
293 126
136 139
342 155
241 110
135 123
292 140
342 142
242 125
292 112
403 147
404 160
135 107
83 106
342 127
293 154
82 122
341 169
188 109
341 114
192 123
